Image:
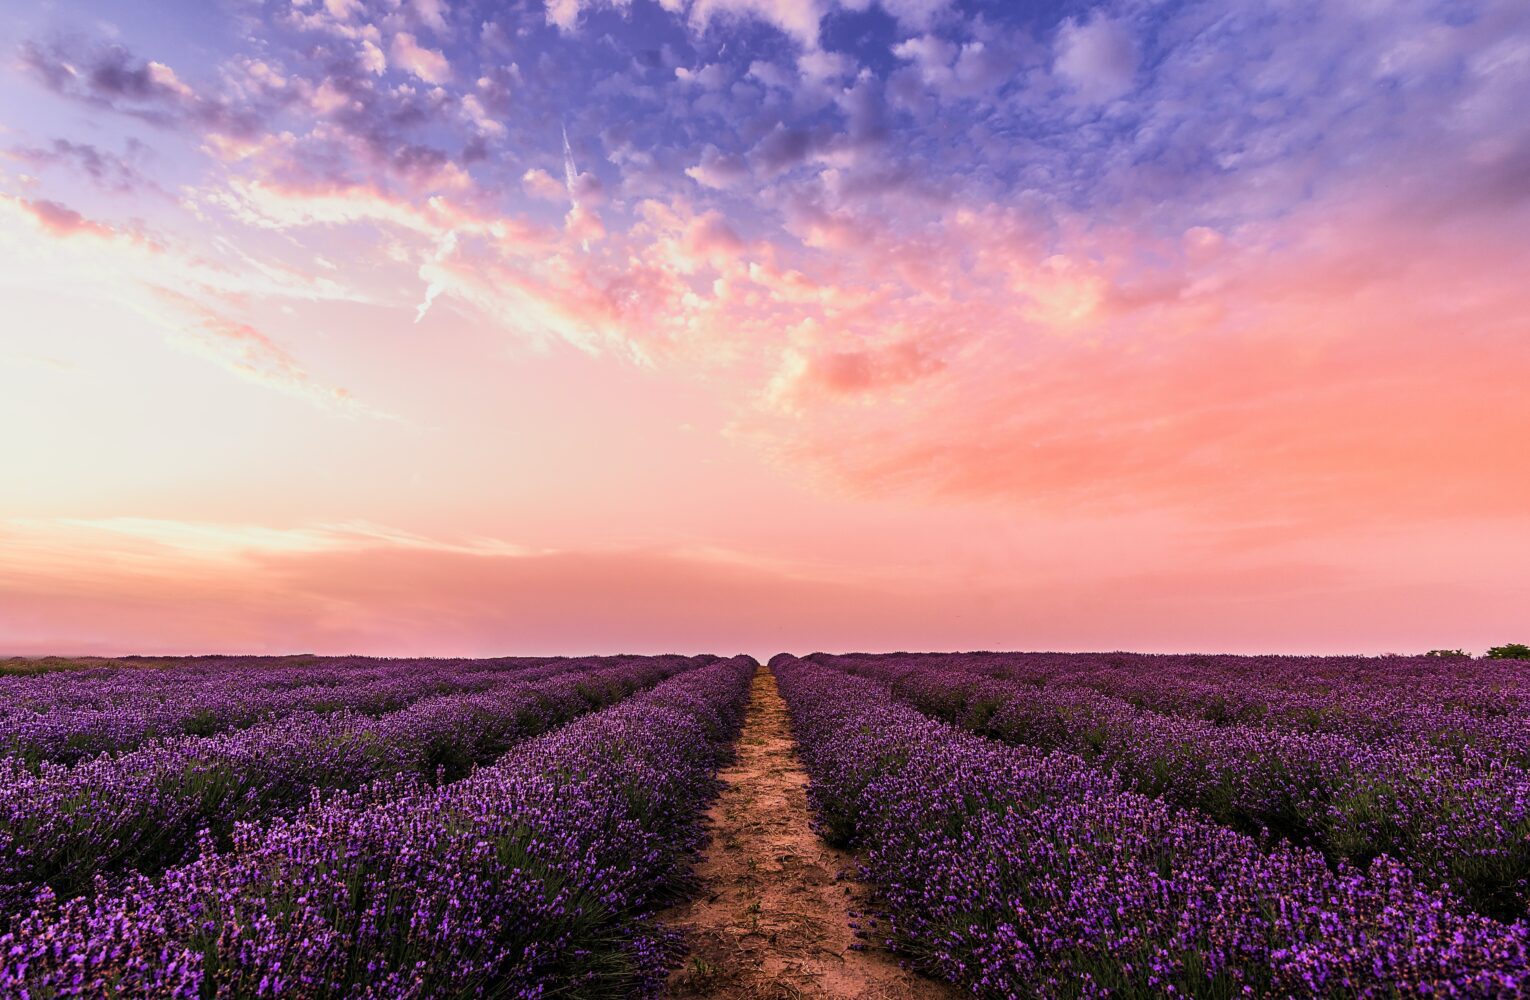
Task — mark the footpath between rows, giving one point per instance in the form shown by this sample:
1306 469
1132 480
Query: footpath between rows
771 921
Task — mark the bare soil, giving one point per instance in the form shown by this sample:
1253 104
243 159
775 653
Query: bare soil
771 919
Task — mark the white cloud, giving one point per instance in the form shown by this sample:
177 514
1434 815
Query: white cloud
771 75
563 13
818 66
427 64
473 108
432 13
540 184
1098 57
797 18
915 14
372 58
718 169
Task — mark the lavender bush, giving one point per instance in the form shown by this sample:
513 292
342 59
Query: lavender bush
1458 818
68 716
65 826
534 877
1016 873
1472 704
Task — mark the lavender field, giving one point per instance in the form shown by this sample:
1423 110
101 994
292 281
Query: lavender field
900 825
416 334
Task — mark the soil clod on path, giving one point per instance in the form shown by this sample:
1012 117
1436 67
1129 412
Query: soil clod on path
771 918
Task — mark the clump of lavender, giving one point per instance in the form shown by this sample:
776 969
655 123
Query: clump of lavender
61 827
532 877
1019 873
1433 788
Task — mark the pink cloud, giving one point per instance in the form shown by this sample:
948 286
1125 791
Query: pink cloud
365 593
1297 376
341 10
879 368
709 238
56 221
61 220
583 225
370 596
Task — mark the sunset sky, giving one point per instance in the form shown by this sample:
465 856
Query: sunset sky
460 327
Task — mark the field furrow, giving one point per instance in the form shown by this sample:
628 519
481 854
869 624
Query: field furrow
769 920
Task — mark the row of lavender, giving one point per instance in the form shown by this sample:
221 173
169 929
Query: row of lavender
1458 818
1454 703
1016 873
144 810
65 717
534 877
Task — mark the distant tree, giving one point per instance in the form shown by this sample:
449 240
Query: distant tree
1510 651
1450 654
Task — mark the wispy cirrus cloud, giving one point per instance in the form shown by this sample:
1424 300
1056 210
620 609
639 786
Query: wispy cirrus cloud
111 78
251 355
107 170
62 221
144 273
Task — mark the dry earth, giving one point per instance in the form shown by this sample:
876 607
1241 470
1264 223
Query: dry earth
770 921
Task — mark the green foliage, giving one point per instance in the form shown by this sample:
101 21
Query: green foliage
1449 654
1510 651
22 666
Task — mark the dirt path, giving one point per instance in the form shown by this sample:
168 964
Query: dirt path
770 920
